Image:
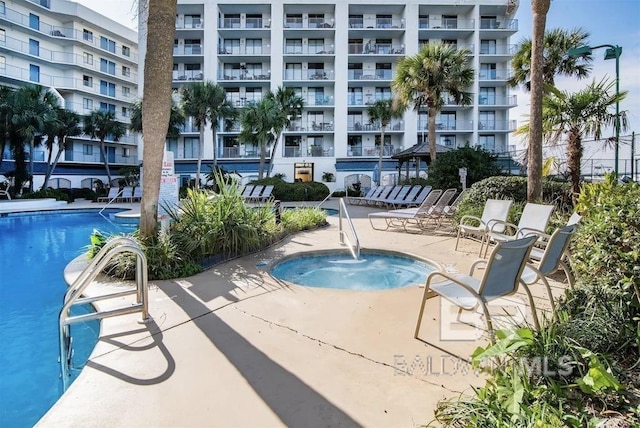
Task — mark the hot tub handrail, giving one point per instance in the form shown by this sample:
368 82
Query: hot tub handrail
354 248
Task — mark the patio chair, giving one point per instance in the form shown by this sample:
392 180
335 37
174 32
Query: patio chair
137 194
266 194
4 186
127 195
437 210
534 220
397 198
386 192
549 261
112 196
356 200
247 190
402 217
409 198
255 195
472 226
419 198
502 274
450 210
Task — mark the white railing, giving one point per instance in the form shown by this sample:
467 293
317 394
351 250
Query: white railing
344 239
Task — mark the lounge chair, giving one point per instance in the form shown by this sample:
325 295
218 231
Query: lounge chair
403 217
419 198
267 194
255 195
356 200
410 198
502 274
247 190
549 260
384 194
437 210
127 194
137 194
477 227
451 209
4 186
534 220
363 200
112 196
395 197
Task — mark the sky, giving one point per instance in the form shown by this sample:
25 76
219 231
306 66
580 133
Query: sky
614 22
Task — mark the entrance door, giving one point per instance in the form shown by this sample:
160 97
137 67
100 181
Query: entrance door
303 172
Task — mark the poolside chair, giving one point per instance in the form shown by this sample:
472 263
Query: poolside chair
267 194
409 198
419 198
127 195
383 194
436 211
114 194
548 261
403 217
356 200
534 220
472 226
398 197
502 274
451 209
255 195
4 186
247 190
137 194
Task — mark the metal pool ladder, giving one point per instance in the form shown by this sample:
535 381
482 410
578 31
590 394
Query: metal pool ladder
355 247
72 297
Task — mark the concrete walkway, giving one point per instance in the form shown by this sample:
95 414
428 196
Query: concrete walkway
234 347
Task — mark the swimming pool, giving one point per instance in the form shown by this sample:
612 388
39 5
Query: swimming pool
372 271
34 250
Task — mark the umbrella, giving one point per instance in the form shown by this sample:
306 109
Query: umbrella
376 174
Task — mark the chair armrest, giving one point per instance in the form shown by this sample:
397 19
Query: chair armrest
470 217
476 264
528 231
454 280
506 227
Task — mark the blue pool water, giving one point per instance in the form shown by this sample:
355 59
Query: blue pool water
373 271
34 250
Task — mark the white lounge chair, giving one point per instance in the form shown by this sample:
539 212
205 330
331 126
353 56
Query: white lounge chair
112 196
502 275
4 186
534 220
477 227
403 217
357 200
437 210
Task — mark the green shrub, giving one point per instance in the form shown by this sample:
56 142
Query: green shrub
58 194
294 220
299 191
444 171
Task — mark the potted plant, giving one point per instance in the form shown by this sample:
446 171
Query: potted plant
328 177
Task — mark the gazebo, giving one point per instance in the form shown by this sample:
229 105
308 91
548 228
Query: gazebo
417 153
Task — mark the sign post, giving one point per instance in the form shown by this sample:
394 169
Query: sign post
168 196
462 172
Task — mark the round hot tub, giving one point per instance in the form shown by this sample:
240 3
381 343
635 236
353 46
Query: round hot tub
373 270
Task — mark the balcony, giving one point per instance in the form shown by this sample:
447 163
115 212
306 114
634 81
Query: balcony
497 24
187 50
189 24
375 49
452 125
241 152
310 126
446 23
377 75
509 101
309 50
300 23
186 75
252 50
239 74
497 50
303 150
497 125
80 156
313 74
249 24
376 23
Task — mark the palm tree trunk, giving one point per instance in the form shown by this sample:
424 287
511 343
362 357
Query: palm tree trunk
273 154
382 131
31 169
50 167
215 146
432 133
200 150
103 150
574 159
534 164
263 155
156 104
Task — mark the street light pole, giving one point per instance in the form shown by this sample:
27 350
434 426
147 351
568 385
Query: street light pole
611 52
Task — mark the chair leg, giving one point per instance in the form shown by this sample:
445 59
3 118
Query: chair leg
536 323
420 314
487 320
551 301
457 239
567 271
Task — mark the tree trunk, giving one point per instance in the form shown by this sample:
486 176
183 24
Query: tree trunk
574 159
263 155
432 133
534 164
382 131
156 105
103 150
47 174
215 145
32 149
200 152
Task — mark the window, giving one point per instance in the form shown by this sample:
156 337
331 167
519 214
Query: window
448 140
88 58
253 20
356 21
487 96
87 103
487 22
3 9
3 63
293 20
107 44
487 47
172 146
108 107
293 46
107 88
487 120
87 81
3 36
126 91
383 21
383 71
254 46
450 21
34 21
34 73
447 120
87 149
192 47
125 112
488 71
316 20
293 72
231 47
423 21
354 143
355 96
87 35
34 47
126 51
126 71
316 46
355 71
107 66
292 145
191 147
487 142
192 21
383 93
126 152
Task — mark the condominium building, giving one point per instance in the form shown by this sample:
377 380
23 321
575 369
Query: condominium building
89 61
340 56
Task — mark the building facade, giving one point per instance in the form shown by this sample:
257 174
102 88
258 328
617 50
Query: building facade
89 61
340 57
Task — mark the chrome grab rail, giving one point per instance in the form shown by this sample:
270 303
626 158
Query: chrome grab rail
111 201
72 297
354 248
327 198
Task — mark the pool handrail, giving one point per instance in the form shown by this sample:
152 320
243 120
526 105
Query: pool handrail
353 248
72 297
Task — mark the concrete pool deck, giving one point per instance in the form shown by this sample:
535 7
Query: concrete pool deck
233 347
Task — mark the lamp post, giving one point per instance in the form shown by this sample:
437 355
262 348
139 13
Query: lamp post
612 52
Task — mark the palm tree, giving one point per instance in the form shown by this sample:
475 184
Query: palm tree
67 124
176 119
423 79
102 124
261 123
291 106
156 105
34 106
582 114
556 61
540 9
6 109
207 103
382 112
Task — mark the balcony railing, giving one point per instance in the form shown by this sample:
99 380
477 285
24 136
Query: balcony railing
238 74
295 22
495 24
377 75
310 126
378 23
64 32
188 50
494 75
309 50
188 75
244 101
264 49
241 151
497 125
60 57
194 24
249 23
446 23
453 125
375 49
314 74
498 49
319 100
497 101
80 156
